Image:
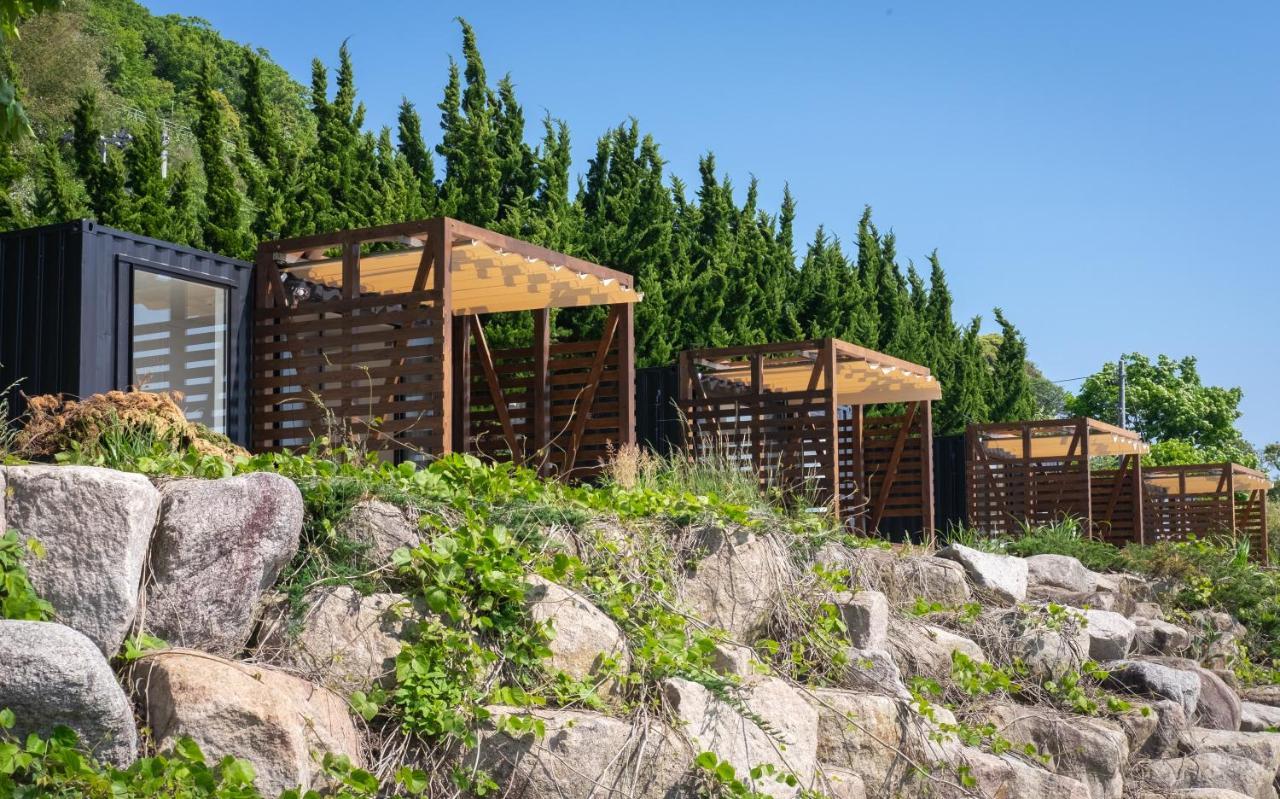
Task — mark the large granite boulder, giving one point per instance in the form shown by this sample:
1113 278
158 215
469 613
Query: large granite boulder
219 545
1159 637
1256 717
582 755
52 675
281 724
381 528
1157 680
1003 575
928 650
1061 571
583 639
1110 634
1214 770
789 744
902 578
1093 751
1218 707
737 582
338 638
866 617
95 525
874 736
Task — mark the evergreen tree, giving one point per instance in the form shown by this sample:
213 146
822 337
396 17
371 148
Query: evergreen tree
1009 395
222 226
147 210
185 209
98 167
416 154
473 175
12 169
267 184
965 398
516 160
59 195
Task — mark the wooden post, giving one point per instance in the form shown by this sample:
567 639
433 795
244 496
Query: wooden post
1261 495
1139 501
1230 477
860 469
461 360
440 239
1088 478
1028 502
541 404
626 341
926 470
972 484
833 425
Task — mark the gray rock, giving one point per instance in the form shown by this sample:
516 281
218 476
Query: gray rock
866 615
733 660
279 723
1061 571
1139 724
1213 770
1051 652
382 527
583 638
52 675
1156 637
582 755
838 783
218 546
903 578
993 776
1256 717
339 639
1218 707
1170 738
737 583
712 724
1156 680
876 671
869 735
1110 635
1262 748
1093 751
1004 575
95 525
1262 694
1147 610
1214 638
927 651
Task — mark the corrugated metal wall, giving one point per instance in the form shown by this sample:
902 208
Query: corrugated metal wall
65 308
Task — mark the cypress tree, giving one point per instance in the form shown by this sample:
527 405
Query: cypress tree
515 159
1010 397
183 223
12 169
416 154
965 397
59 195
103 177
557 219
266 181
469 144
222 226
147 210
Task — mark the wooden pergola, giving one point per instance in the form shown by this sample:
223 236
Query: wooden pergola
1040 471
796 414
1206 499
380 331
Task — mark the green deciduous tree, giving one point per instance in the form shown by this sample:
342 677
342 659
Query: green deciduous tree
1166 401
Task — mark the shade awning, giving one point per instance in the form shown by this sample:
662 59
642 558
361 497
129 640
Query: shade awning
1209 478
489 273
1059 439
862 376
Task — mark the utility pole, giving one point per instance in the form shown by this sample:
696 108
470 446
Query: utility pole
1123 413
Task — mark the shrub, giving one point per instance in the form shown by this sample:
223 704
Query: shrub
18 598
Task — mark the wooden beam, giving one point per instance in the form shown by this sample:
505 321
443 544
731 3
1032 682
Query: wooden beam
926 470
438 241
891 469
495 388
541 388
588 396
626 336
460 355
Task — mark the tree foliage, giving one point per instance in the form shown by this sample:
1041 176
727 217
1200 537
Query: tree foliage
1167 402
253 155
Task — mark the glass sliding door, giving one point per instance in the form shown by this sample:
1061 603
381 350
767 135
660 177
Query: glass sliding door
178 342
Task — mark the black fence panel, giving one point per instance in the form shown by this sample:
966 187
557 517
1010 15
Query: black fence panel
949 483
658 423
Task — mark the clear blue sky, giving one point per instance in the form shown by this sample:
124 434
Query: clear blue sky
1105 172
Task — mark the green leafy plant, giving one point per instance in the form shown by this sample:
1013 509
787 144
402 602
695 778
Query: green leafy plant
18 598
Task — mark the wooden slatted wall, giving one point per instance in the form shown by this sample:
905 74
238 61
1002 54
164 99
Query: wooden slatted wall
1006 491
1117 503
1173 514
373 363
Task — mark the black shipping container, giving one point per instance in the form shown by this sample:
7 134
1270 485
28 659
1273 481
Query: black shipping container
86 308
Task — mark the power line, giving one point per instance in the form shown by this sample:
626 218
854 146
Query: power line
1071 379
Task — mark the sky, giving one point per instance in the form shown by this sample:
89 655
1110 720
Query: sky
1107 173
